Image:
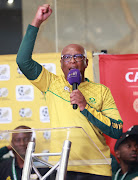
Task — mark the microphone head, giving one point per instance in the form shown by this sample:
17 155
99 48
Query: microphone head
74 76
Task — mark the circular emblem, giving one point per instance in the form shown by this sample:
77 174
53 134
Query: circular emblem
66 88
135 105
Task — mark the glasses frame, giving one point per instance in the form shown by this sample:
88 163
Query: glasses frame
73 56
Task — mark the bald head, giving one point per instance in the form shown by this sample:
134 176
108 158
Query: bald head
71 48
22 127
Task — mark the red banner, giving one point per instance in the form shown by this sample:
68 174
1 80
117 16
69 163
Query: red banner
120 74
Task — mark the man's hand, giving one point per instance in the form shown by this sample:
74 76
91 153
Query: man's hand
76 97
42 14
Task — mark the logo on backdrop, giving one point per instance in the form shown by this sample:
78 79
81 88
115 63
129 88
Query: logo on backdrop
19 71
47 134
50 67
131 76
5 115
3 92
4 72
24 93
25 112
135 105
44 114
4 136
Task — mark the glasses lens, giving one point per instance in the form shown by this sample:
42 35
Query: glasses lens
78 57
66 57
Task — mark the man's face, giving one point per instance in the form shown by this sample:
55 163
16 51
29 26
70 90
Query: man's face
20 142
73 49
128 151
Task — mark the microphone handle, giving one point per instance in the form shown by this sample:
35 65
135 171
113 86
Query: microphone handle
75 86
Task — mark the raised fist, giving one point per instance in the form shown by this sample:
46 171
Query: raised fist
43 12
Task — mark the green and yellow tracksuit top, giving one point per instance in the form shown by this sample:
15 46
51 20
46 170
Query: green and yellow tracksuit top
99 116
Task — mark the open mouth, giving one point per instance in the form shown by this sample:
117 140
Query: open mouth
72 68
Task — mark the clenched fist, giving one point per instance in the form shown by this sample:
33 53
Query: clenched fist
43 12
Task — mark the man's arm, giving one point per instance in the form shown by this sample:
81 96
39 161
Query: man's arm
108 120
30 68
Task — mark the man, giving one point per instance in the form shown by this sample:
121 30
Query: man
96 113
11 168
126 150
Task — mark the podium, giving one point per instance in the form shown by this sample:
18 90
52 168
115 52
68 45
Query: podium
61 149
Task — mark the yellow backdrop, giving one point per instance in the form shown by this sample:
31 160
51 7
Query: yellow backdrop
20 102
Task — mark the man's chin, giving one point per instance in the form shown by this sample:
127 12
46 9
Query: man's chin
133 162
22 156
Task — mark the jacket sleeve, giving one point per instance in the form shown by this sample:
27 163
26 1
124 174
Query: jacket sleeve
108 119
30 68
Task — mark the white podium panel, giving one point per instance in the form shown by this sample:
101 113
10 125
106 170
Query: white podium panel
47 148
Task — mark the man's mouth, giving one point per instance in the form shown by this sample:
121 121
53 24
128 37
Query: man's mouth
134 156
72 68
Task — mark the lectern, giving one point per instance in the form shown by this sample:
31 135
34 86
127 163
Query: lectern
58 149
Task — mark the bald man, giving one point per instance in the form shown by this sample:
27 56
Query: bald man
96 112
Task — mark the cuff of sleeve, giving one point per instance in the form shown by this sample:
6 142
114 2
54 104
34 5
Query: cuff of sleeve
32 27
87 106
86 109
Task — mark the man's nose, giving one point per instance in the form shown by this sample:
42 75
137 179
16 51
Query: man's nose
134 148
22 142
72 59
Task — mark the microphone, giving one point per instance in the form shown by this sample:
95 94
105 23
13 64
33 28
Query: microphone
74 78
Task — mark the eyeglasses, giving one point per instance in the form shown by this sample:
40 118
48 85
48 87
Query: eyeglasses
76 57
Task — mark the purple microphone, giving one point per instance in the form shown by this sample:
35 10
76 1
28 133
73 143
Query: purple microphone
74 78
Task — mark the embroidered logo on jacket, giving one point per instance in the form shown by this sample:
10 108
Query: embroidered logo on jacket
8 178
92 100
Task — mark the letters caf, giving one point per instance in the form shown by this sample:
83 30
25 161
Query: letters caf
131 77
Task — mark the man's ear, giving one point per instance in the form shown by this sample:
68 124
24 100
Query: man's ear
117 153
86 63
61 62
